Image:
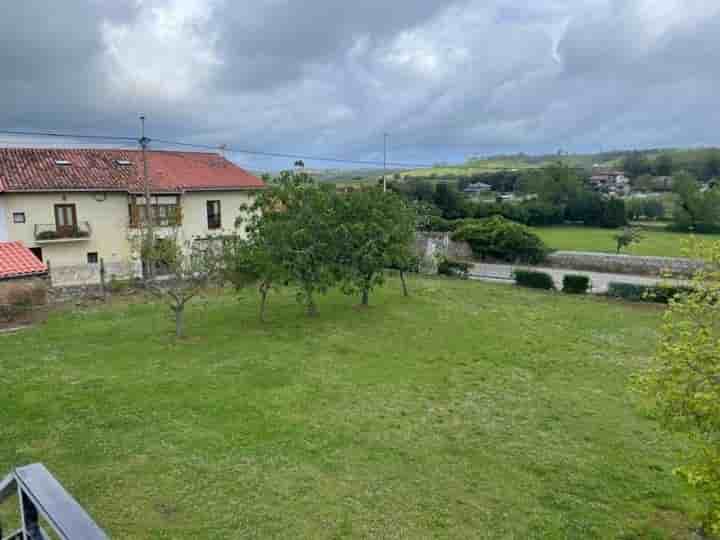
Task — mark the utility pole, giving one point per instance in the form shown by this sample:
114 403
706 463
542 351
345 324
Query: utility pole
148 223
385 141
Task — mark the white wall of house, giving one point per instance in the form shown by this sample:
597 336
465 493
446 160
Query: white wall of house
107 214
3 221
195 219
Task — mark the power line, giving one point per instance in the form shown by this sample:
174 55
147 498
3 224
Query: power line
215 148
221 148
294 156
66 135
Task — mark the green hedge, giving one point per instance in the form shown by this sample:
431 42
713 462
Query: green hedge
500 239
454 268
660 294
576 284
535 280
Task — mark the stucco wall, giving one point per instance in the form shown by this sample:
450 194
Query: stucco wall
195 212
108 220
3 220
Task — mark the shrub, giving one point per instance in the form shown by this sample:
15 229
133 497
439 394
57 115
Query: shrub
116 286
649 208
535 280
539 213
614 214
439 224
47 235
699 228
505 240
454 268
633 292
576 284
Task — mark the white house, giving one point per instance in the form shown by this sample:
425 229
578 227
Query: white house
73 207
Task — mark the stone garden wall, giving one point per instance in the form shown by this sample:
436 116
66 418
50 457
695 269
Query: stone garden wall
89 274
29 290
623 264
433 247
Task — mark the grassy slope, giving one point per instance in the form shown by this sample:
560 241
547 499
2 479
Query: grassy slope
469 410
656 243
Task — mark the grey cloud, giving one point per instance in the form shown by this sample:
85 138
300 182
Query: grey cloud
276 41
444 78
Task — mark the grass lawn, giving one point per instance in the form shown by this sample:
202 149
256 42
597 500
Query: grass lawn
469 410
656 243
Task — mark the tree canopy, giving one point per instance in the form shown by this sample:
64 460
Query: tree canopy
310 236
682 385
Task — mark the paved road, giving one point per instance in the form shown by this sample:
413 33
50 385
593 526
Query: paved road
599 280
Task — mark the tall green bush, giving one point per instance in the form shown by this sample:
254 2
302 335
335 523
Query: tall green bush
576 284
501 239
534 280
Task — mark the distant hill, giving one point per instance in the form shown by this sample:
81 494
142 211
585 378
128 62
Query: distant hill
691 159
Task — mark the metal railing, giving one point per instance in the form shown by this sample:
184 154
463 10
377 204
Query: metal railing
40 495
51 232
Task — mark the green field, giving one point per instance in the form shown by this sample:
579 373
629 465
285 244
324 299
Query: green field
469 410
469 170
654 242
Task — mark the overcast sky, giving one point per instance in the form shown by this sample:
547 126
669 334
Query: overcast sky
444 78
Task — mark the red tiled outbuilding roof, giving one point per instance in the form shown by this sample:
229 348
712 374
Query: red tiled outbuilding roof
16 261
54 169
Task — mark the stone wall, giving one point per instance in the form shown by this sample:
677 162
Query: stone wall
623 264
31 290
89 274
431 248
19 296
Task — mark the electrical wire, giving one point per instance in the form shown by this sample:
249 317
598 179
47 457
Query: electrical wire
294 156
66 135
221 148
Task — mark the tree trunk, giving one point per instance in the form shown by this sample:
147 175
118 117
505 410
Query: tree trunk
311 306
179 322
365 297
404 284
263 302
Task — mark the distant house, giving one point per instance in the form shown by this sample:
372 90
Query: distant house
610 181
476 189
661 183
76 206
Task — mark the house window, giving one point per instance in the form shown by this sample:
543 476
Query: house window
165 211
92 257
18 217
65 219
165 215
213 215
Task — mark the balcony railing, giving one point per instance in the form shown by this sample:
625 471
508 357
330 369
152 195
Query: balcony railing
72 233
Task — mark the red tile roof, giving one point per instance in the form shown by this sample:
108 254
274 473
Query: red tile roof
36 169
16 260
